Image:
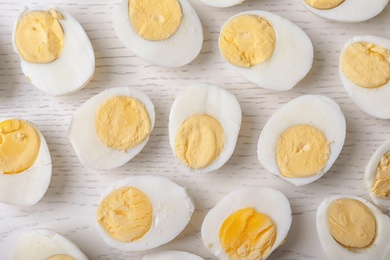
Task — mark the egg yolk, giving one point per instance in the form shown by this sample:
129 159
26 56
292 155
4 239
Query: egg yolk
247 40
19 146
199 141
126 214
61 257
247 234
155 20
324 4
39 36
381 185
301 151
351 223
122 122
366 64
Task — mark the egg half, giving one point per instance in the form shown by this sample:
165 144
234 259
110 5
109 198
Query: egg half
171 254
56 53
222 4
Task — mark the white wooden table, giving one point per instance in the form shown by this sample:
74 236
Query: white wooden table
70 203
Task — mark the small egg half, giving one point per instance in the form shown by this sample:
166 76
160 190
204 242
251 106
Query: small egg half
171 254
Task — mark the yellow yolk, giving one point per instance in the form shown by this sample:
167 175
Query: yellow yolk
19 146
39 36
247 234
60 257
381 185
366 64
122 122
324 4
301 151
247 40
199 141
351 223
126 214
155 20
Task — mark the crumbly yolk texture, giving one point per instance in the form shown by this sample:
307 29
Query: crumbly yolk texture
39 36
381 185
19 146
199 141
247 234
61 257
122 122
324 4
155 20
366 64
126 214
247 40
301 151
351 223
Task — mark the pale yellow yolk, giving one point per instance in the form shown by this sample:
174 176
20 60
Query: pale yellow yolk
351 223
301 151
381 185
126 214
39 36
324 4
247 40
247 234
19 146
155 20
61 257
366 64
122 122
199 141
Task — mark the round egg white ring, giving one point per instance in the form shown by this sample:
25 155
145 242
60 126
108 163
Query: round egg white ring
28 187
347 11
171 254
222 4
375 101
263 199
55 78
178 50
82 133
291 60
318 111
370 173
335 251
204 98
172 210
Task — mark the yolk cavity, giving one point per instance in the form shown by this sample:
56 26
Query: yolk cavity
366 64
351 223
247 234
61 257
199 141
39 36
324 4
19 146
381 185
126 214
301 151
247 40
155 20
122 122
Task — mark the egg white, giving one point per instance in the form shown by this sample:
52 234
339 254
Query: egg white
291 60
172 210
265 200
178 50
85 140
204 98
171 254
319 111
379 249
222 4
372 101
75 66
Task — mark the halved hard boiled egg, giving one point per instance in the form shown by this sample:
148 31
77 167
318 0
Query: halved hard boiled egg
112 127
303 139
25 163
204 123
143 212
365 73
350 227
249 223
162 32
266 49
222 4
56 54
345 10
171 254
